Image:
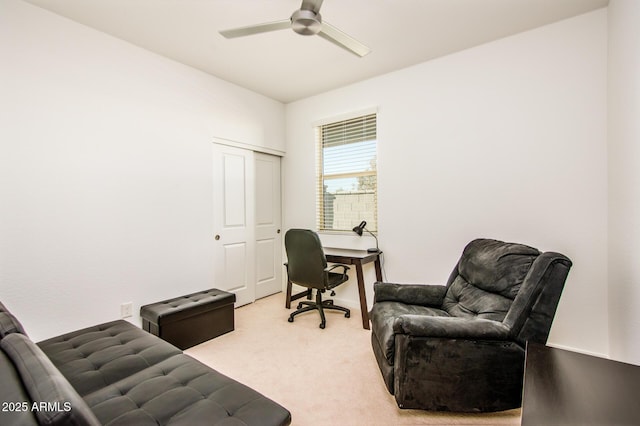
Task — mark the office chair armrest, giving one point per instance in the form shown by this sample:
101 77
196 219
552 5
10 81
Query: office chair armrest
450 327
411 294
331 268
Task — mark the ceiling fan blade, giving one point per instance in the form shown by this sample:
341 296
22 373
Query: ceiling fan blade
256 29
337 37
313 5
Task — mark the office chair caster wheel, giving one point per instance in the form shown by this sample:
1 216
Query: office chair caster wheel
322 325
290 319
347 315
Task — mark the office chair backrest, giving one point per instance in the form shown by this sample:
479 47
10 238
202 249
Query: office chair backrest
306 260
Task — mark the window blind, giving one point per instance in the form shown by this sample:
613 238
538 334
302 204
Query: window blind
347 189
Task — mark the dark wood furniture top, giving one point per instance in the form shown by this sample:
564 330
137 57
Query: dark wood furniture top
568 388
348 257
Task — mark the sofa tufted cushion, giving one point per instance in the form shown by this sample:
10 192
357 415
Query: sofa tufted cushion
45 385
183 391
9 323
97 356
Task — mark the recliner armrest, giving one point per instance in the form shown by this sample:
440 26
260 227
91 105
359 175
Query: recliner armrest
411 294
450 327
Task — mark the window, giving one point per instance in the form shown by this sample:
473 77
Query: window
347 191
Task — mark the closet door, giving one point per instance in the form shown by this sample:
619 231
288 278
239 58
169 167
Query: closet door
234 222
268 225
247 223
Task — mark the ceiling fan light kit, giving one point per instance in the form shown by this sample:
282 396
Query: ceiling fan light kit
305 21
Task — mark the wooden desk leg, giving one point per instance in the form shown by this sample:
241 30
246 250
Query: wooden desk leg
363 297
287 301
378 269
289 297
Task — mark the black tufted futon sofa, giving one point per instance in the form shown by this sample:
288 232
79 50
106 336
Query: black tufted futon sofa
118 374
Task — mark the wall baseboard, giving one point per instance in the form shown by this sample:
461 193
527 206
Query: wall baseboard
578 350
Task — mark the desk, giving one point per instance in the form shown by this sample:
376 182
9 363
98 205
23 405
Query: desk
347 257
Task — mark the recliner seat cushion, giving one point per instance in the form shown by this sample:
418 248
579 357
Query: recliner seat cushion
384 314
97 356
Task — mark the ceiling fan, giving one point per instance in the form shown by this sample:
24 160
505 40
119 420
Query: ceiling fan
305 21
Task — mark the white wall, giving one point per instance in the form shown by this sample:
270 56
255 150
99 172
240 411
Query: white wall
106 169
624 179
506 140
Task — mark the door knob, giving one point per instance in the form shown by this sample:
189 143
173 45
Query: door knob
217 237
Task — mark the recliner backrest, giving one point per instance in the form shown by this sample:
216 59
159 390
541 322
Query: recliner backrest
487 279
306 261
508 282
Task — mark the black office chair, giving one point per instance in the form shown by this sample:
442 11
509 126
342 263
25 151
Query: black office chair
307 267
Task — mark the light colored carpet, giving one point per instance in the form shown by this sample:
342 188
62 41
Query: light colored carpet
323 377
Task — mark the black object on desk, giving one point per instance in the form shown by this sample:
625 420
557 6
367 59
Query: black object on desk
568 388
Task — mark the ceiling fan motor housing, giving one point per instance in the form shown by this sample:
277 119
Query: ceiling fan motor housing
306 22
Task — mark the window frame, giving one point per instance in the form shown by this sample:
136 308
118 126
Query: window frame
366 117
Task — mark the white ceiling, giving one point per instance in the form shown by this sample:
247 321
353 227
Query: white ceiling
286 66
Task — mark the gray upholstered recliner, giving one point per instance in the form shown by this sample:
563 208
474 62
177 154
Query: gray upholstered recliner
461 347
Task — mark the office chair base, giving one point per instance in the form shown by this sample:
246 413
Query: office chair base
319 305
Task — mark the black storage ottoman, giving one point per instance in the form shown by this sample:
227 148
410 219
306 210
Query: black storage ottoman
192 319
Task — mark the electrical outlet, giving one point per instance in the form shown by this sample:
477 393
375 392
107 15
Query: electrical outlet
126 310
